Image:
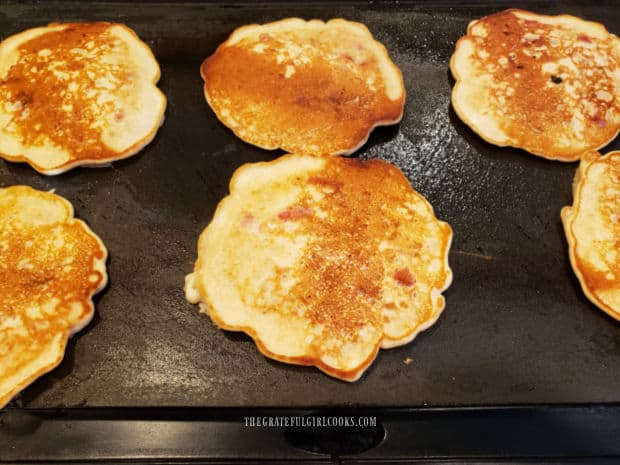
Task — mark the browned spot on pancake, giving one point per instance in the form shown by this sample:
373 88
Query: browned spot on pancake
56 97
31 271
404 277
597 280
341 276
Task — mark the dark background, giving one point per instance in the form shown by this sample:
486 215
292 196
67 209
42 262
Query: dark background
516 329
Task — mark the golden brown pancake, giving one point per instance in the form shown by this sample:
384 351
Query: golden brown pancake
546 84
304 86
592 227
322 261
51 265
77 94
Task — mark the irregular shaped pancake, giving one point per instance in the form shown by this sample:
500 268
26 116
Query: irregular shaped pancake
51 265
304 86
77 94
322 261
592 227
546 84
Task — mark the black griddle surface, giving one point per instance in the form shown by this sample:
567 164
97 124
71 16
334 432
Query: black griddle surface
516 330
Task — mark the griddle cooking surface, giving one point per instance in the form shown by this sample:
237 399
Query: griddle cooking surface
517 328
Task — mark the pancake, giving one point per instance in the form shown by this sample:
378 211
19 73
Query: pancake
322 261
546 84
592 227
304 86
77 94
51 265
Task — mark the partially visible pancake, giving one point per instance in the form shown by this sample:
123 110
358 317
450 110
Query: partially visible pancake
546 84
322 261
304 86
592 227
77 94
51 265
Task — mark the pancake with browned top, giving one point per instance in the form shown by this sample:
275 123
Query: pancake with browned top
51 265
592 227
77 94
304 86
322 261
546 84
